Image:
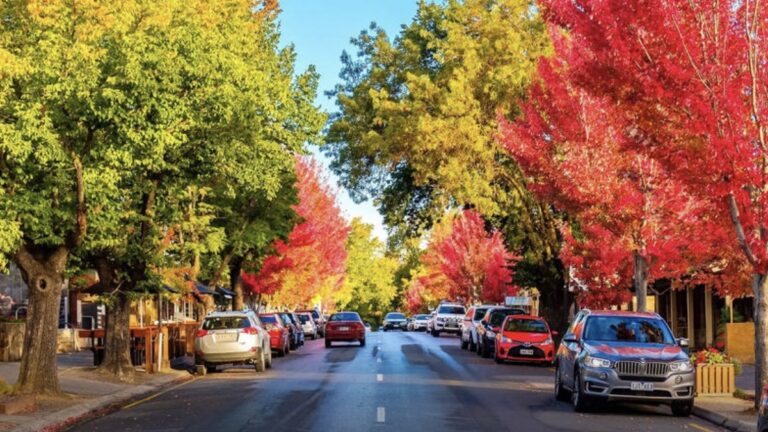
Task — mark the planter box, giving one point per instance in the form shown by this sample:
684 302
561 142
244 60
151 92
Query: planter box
715 380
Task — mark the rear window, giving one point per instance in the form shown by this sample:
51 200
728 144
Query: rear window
526 326
303 318
395 316
315 314
345 316
479 314
454 310
226 322
627 329
421 317
268 319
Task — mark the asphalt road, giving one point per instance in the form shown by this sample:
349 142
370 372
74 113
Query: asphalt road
399 382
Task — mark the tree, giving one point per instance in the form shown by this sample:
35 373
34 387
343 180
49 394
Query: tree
635 223
687 78
314 255
465 262
369 284
417 124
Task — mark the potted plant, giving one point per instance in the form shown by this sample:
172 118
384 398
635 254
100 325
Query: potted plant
715 372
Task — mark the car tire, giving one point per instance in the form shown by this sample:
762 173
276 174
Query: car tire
268 360
472 345
327 343
479 349
486 352
464 344
496 357
682 409
561 394
260 362
362 342
286 350
580 401
435 333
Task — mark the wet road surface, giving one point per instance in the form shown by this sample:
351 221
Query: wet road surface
397 382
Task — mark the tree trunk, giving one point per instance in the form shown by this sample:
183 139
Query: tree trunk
760 287
117 339
236 282
641 281
555 299
43 272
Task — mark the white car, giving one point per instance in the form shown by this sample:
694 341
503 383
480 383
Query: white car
232 338
447 318
468 326
308 324
419 322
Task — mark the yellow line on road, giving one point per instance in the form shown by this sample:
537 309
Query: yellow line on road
701 428
149 398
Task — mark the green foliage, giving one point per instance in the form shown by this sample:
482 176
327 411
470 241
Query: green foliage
369 287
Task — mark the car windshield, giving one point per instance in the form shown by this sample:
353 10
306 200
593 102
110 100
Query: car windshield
526 326
345 316
479 314
303 318
421 317
268 319
226 322
627 329
454 310
397 316
497 316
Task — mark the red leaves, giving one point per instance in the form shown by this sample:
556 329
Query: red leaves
314 256
465 263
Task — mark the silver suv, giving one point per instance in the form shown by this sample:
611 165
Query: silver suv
232 338
447 318
611 356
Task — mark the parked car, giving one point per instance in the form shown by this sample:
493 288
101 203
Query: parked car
395 321
279 334
307 324
319 320
609 356
294 325
487 328
468 331
232 338
762 417
525 338
344 327
418 322
447 318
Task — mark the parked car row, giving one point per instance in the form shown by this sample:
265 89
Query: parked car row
244 337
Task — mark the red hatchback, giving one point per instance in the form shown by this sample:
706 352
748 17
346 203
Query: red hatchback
524 338
344 327
279 334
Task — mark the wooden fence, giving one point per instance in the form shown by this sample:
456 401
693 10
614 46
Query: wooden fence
715 380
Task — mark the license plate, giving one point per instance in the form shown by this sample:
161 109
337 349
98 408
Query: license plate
226 337
343 328
641 386
526 352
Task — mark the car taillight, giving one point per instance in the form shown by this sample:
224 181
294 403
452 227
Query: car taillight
251 330
201 333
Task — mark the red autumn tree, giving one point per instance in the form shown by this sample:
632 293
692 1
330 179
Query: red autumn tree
635 223
466 262
313 259
688 78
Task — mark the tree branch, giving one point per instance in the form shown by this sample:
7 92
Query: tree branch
734 210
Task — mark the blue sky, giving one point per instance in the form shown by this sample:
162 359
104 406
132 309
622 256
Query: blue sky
320 30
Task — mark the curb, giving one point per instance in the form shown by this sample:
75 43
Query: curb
723 421
95 408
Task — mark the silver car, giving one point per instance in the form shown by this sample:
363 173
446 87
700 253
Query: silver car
471 320
622 356
232 338
418 322
308 324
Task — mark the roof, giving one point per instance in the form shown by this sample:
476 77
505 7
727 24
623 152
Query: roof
527 317
227 313
623 313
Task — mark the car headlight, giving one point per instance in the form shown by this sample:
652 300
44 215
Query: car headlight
680 366
490 334
596 362
547 342
505 339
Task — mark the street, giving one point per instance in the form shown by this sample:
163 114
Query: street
398 381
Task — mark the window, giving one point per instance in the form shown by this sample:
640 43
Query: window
226 322
479 313
268 319
526 326
397 316
627 329
453 310
345 316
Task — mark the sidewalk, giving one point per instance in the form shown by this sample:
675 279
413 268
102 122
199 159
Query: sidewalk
86 393
729 412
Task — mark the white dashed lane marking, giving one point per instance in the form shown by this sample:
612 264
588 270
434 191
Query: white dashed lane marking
381 415
379 377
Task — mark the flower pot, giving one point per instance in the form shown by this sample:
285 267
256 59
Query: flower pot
715 379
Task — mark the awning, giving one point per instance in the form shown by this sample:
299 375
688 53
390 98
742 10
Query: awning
225 292
170 290
202 289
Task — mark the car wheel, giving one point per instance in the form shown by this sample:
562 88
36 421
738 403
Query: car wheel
486 352
479 350
682 409
496 357
268 362
210 369
327 343
464 344
560 393
472 345
579 400
362 342
286 349
260 362
435 333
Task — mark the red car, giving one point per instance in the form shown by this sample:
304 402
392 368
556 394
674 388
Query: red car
279 334
344 327
524 338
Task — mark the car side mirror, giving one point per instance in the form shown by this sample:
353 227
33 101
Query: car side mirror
683 342
570 338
